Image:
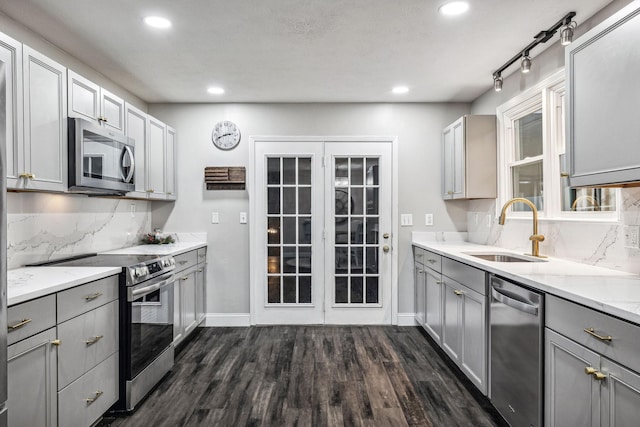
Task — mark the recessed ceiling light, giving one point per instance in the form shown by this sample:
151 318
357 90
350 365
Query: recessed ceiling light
400 89
454 8
157 22
215 90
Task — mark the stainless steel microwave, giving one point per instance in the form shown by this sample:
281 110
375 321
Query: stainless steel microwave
101 161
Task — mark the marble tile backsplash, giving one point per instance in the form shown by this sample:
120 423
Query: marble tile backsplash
593 243
46 226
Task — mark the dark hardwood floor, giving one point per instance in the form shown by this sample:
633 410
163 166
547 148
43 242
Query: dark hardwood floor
311 376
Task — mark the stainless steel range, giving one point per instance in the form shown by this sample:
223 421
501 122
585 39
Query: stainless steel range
146 319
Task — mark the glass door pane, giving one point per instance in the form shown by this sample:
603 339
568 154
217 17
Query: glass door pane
288 182
356 218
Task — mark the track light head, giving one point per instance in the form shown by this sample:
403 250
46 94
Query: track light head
497 82
566 33
525 64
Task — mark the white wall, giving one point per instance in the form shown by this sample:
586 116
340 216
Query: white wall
594 243
417 126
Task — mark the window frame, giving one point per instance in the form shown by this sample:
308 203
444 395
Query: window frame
548 96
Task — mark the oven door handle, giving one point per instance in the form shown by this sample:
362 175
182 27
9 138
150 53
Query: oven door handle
134 294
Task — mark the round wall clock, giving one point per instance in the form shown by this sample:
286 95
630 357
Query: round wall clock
225 135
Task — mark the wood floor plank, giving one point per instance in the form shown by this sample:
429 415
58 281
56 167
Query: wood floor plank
311 376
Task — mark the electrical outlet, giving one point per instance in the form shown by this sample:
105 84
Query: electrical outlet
133 210
243 217
488 220
632 236
428 219
215 218
406 220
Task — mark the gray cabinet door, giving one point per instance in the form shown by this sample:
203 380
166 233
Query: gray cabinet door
156 160
170 170
433 309
136 125
45 124
201 292
453 160
603 98
11 56
188 301
473 354
620 395
419 293
572 397
32 381
451 338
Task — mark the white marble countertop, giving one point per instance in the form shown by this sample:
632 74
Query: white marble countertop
610 291
168 249
24 284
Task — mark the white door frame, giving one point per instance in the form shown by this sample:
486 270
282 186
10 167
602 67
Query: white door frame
254 271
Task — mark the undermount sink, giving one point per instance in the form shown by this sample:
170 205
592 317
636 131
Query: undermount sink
503 257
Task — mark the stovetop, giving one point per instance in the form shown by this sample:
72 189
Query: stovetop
137 268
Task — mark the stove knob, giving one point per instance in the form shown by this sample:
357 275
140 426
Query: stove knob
137 272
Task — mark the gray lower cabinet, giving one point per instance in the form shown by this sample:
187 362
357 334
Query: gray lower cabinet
454 297
591 363
63 356
32 381
189 293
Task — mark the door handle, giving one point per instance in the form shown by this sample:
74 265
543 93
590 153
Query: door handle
385 236
386 248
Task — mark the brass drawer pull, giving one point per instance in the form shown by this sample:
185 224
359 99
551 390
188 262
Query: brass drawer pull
150 191
457 292
93 296
593 333
18 325
420 272
199 271
90 400
182 262
27 175
432 261
202 256
184 278
93 340
56 342
597 375
438 282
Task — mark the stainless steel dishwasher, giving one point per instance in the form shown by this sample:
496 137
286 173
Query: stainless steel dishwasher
516 359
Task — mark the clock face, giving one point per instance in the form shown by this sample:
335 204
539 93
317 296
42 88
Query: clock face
225 135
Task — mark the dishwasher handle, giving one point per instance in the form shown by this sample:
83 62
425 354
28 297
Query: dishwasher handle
511 300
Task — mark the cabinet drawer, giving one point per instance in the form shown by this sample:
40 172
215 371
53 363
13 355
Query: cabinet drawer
428 259
31 317
81 299
90 396
186 260
465 274
571 320
85 341
202 255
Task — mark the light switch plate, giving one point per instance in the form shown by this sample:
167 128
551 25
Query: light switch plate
428 219
215 218
243 217
133 210
406 220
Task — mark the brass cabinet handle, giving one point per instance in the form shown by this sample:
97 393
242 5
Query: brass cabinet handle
599 376
432 261
202 256
385 248
102 119
182 262
386 236
590 370
90 400
184 278
27 175
564 175
593 333
438 282
93 340
199 270
93 296
150 191
420 271
449 192
18 325
457 292
56 342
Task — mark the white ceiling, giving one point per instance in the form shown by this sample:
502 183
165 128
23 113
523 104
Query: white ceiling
296 50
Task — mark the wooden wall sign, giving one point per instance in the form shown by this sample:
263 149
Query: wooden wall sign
225 178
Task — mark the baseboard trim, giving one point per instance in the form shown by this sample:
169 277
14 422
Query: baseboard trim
407 319
227 319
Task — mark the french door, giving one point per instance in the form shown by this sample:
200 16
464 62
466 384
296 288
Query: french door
321 241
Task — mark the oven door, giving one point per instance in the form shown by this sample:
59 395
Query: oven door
150 330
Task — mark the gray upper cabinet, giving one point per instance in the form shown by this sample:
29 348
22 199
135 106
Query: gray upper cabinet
91 102
11 56
156 155
603 129
170 170
45 123
469 158
137 128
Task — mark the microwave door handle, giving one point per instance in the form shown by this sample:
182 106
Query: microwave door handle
127 151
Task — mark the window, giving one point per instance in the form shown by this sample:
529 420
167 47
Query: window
532 158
